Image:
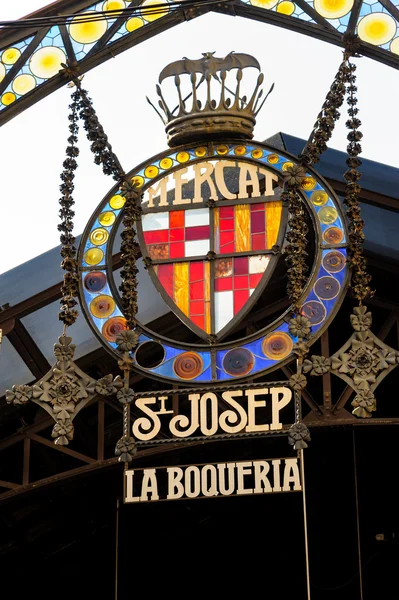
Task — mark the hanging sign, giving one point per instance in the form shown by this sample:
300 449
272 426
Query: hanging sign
267 476
251 409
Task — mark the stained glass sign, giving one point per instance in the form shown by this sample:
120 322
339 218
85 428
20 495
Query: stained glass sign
211 236
209 231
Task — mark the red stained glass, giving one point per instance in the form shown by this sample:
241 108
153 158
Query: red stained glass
241 282
241 265
240 298
258 241
197 290
201 232
156 237
200 321
224 284
176 235
226 212
177 250
176 218
256 207
196 271
226 237
197 308
227 248
226 224
258 223
165 275
254 279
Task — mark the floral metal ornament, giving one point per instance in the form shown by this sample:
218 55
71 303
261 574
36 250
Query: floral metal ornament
298 436
362 362
64 391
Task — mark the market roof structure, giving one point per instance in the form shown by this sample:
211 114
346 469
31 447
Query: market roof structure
85 34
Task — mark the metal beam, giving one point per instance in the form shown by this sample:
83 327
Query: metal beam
28 350
62 449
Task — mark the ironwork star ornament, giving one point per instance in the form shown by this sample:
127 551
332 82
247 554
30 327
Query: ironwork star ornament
64 390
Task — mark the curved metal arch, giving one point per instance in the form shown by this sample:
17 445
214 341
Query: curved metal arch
117 39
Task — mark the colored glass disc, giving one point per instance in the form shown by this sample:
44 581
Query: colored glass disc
319 198
93 256
99 236
113 327
95 281
188 365
326 288
102 306
314 311
328 215
333 235
238 362
107 218
277 345
334 261
117 201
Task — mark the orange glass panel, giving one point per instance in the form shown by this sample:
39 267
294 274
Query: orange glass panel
181 280
273 220
242 217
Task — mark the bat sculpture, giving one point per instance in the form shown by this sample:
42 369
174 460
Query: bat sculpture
209 64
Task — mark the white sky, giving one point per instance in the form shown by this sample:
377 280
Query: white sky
33 144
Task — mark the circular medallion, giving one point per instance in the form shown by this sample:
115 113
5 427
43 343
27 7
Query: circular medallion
333 235
113 327
326 288
188 365
102 306
277 346
95 281
334 261
238 362
314 311
211 297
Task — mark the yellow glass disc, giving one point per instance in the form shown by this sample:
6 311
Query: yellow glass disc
272 159
46 62
182 157
286 165
87 32
166 163
308 183
319 198
93 256
257 153
102 306
156 13
240 150
333 9
117 201
114 5
99 236
2 71
134 23
264 3
8 98
137 181
200 152
328 215
151 171
286 7
10 56
377 28
23 84
394 47
222 149
107 218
